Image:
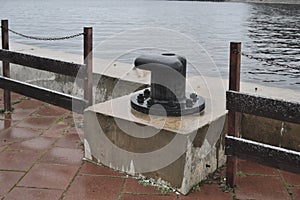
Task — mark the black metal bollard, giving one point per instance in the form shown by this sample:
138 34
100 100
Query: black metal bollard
168 87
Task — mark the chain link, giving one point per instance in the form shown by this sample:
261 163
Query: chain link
268 61
271 62
45 38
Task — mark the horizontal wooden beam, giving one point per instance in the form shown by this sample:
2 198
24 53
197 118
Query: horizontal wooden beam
46 64
265 107
52 97
265 154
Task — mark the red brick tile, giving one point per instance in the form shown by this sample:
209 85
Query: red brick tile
49 176
261 187
20 114
296 192
35 144
133 186
208 192
19 193
37 122
8 180
68 119
58 155
76 131
147 197
18 160
5 143
55 131
53 111
291 178
94 188
93 169
69 141
72 130
28 105
253 168
15 134
15 97
2 148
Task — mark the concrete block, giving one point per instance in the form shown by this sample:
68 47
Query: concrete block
176 151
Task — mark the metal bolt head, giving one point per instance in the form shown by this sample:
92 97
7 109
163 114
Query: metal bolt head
150 102
189 103
146 93
140 99
193 96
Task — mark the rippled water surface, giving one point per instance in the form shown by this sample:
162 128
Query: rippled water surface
269 32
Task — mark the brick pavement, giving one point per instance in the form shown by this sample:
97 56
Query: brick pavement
41 158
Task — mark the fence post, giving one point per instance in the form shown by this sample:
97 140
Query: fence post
233 117
88 61
5 65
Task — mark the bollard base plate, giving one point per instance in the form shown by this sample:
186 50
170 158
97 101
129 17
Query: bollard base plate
144 103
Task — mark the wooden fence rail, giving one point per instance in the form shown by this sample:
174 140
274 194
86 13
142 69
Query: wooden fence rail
45 64
82 71
261 106
49 96
264 154
236 103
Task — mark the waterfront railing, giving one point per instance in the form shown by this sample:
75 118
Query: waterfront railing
237 103
82 71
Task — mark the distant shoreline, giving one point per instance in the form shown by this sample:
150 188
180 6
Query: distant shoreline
267 1
251 1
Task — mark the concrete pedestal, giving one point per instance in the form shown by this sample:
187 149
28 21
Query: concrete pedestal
177 151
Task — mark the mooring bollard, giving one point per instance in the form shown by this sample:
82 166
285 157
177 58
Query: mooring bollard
168 87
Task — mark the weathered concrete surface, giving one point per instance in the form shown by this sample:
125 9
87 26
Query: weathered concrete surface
182 173
274 132
185 149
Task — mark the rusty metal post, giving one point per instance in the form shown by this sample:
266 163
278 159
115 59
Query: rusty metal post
5 65
88 61
233 117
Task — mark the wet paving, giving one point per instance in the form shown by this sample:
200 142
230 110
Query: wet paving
41 157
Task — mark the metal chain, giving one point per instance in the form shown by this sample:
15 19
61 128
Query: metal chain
271 62
45 38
